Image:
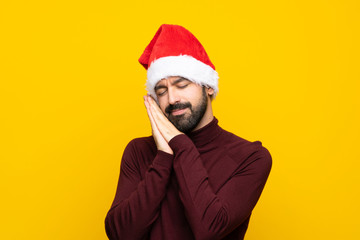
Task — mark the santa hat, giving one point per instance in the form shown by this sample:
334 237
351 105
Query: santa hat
174 51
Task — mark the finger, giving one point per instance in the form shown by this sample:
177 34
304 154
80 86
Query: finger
155 108
160 141
151 118
166 128
158 116
162 122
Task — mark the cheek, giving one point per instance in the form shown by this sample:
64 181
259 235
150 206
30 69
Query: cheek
195 95
162 106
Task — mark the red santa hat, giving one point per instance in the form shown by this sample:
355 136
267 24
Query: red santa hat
174 51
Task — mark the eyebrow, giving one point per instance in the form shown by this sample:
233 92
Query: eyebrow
180 79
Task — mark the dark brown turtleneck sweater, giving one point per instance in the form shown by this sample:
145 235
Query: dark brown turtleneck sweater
206 190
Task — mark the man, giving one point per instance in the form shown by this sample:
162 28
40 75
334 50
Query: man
191 179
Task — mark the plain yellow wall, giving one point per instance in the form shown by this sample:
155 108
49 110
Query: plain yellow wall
71 99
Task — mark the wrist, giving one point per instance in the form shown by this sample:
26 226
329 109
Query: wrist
167 150
174 135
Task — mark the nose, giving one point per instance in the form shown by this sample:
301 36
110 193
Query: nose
173 96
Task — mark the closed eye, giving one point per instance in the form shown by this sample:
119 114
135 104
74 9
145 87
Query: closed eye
183 86
161 91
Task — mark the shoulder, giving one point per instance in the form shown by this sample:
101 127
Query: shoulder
141 144
242 150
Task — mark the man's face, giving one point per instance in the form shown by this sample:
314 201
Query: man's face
183 102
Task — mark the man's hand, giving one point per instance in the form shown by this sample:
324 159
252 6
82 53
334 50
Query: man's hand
159 139
159 123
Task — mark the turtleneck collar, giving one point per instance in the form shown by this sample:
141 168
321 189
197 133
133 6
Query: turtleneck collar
206 134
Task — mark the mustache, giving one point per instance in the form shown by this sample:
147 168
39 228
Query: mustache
176 106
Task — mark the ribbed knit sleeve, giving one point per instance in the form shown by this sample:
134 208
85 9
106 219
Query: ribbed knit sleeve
214 215
137 200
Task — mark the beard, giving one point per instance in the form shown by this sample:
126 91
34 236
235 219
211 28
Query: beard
186 123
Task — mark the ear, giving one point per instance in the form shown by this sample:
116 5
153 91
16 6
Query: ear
209 91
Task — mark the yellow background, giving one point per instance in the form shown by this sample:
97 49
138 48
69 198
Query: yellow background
71 99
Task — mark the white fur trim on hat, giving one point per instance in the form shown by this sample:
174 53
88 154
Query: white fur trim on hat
183 66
